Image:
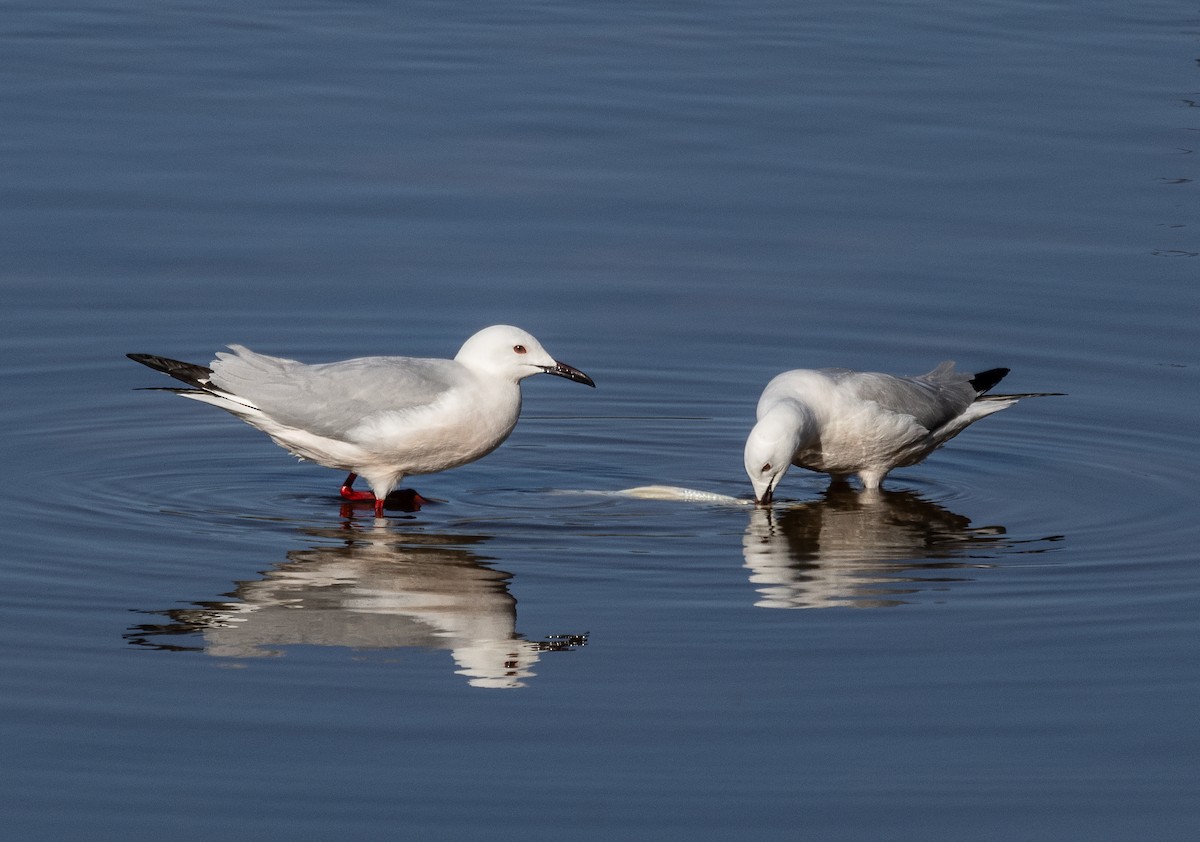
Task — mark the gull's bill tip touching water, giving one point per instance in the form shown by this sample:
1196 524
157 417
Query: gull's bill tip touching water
381 418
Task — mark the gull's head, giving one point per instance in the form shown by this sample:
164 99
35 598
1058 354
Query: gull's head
513 354
768 455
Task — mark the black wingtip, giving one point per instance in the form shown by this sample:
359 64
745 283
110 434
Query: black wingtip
985 380
189 373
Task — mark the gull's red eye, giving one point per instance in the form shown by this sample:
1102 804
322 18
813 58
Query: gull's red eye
520 349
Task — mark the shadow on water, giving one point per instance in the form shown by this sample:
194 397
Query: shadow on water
866 549
372 590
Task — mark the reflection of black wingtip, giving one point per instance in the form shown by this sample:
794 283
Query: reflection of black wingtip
561 642
143 636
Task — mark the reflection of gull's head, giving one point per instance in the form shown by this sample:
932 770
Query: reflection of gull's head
859 549
376 590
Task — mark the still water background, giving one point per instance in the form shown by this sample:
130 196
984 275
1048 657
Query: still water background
682 200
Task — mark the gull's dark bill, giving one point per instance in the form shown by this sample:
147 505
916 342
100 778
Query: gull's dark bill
571 373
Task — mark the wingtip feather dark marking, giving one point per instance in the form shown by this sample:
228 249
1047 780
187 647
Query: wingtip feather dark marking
189 373
985 380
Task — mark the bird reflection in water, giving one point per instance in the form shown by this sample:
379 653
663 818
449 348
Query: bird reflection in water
863 549
373 590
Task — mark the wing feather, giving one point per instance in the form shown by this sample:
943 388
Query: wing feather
932 399
332 399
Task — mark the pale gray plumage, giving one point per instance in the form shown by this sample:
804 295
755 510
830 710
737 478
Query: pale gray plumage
333 399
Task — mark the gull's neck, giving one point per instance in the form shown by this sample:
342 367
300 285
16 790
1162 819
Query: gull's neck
791 421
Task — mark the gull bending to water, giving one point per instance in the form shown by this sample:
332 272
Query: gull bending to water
381 417
841 422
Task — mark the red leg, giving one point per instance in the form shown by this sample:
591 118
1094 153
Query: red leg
406 499
349 493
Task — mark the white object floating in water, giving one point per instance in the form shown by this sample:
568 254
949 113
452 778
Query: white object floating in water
686 495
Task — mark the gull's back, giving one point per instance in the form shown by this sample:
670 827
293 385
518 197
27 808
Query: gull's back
931 399
332 399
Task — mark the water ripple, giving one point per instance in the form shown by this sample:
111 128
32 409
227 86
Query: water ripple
140 464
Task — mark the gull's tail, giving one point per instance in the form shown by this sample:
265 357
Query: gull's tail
985 380
199 377
1018 396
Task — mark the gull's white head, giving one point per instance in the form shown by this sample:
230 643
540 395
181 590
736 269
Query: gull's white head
768 455
513 354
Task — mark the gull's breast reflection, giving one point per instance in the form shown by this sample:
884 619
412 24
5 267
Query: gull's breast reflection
864 549
370 591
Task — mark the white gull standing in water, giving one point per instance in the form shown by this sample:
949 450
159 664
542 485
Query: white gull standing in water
383 418
841 422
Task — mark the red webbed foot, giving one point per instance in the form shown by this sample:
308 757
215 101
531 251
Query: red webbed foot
404 499
348 492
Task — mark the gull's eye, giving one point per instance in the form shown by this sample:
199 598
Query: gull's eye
519 349
766 467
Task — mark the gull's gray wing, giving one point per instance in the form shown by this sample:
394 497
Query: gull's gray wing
332 398
933 399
